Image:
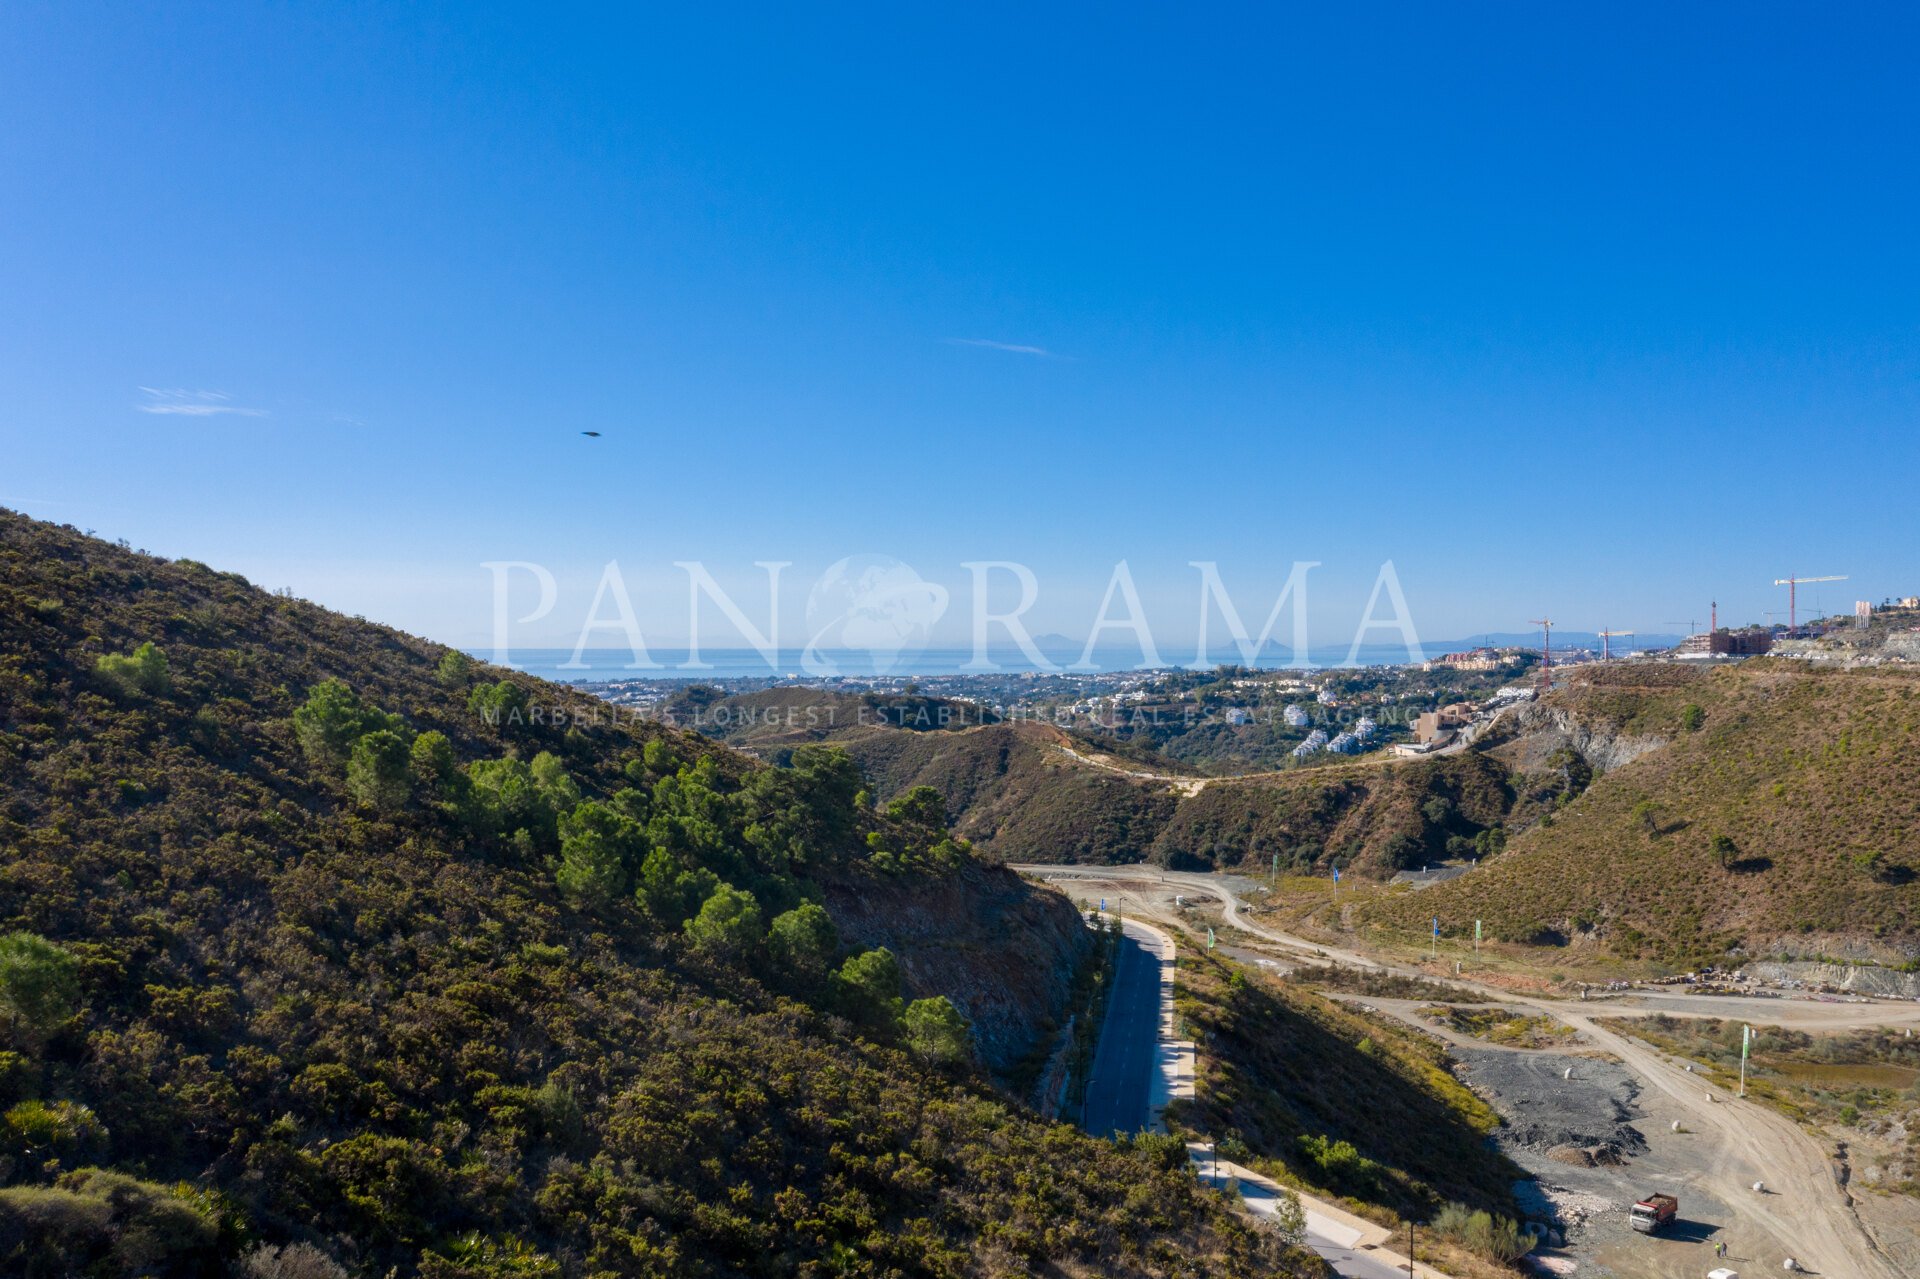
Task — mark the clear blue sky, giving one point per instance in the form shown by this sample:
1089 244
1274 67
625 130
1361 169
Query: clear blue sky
1603 311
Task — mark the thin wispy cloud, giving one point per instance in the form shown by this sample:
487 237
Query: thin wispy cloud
183 403
1012 347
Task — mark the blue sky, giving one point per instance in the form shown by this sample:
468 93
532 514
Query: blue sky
1604 312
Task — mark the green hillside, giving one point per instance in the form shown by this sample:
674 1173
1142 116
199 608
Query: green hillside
1779 819
327 953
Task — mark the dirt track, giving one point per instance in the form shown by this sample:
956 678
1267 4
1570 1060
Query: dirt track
1726 1144
1190 786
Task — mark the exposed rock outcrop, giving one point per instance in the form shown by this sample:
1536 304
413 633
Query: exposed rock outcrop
1002 949
1863 979
1541 729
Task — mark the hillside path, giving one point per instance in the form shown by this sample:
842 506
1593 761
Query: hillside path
1188 785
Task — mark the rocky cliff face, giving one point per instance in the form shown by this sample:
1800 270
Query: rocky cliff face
1002 949
1861 979
1539 730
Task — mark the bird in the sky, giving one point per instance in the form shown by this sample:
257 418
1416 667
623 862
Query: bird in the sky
594 434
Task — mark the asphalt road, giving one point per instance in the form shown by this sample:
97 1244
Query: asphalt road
1119 1088
1805 1214
1334 1246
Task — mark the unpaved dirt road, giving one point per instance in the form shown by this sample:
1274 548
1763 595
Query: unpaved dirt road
1189 785
1805 1213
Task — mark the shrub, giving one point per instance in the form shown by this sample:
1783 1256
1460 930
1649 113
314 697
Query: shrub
1498 1239
95 1222
393 1184
18 1077
498 704
921 806
332 720
597 847
295 1261
936 1031
729 922
453 668
1290 1217
867 988
39 990
803 941
435 770
477 1256
1342 1166
377 770
63 1128
142 671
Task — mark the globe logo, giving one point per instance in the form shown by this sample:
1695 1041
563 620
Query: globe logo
873 605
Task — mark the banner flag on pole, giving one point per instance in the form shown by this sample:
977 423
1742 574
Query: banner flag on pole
1436 925
1209 939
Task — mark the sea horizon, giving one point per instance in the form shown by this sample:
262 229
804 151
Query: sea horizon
613 664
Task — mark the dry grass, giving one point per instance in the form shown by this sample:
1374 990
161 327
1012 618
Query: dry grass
1783 825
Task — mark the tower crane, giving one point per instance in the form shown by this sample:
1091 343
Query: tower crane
1793 585
1604 653
1546 653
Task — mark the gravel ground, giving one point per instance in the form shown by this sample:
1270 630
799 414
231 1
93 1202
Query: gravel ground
1547 1111
1551 1122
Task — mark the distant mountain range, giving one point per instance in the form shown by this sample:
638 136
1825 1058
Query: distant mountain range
1561 639
1054 644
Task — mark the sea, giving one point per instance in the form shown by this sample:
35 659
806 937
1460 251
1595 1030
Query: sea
601 665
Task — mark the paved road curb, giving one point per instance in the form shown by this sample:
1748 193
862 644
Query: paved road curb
1174 1081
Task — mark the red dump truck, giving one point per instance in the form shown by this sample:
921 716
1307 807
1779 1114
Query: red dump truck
1655 1212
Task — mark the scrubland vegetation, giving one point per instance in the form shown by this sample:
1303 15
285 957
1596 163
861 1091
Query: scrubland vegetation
1778 820
1296 1085
328 952
1505 1026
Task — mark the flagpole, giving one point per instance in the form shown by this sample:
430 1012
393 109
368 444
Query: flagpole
1746 1046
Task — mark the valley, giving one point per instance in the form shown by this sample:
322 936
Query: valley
945 642
278 878
1721 1144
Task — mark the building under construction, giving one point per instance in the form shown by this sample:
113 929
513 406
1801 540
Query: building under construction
1751 641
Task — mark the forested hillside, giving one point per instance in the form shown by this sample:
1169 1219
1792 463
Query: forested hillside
328 953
